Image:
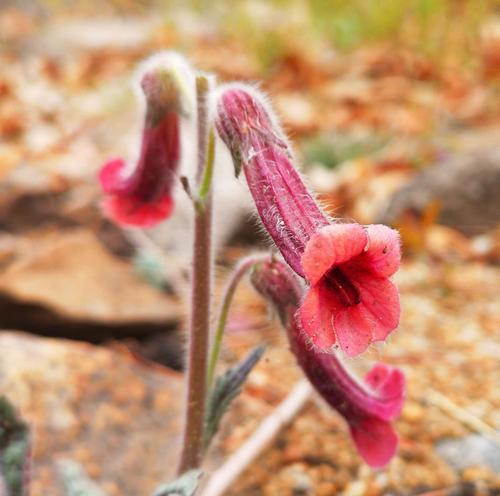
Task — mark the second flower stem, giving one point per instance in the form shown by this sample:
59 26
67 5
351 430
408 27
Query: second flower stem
234 279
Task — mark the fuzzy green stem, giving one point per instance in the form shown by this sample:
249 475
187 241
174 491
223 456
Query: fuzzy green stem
206 183
196 378
236 276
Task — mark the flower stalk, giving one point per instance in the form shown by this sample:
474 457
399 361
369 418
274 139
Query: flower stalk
338 295
201 283
236 276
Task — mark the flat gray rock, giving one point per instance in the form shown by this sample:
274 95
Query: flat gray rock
465 189
471 450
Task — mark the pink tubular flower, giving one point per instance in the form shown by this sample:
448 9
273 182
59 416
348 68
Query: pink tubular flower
351 301
369 407
142 197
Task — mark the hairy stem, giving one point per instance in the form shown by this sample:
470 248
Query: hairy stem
196 379
234 279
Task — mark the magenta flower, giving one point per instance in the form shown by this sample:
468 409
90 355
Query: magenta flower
369 407
142 196
351 301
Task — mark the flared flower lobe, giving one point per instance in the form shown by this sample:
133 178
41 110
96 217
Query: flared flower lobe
130 209
374 435
351 301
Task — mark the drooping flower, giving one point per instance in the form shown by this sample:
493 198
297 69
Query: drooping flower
142 195
368 406
351 301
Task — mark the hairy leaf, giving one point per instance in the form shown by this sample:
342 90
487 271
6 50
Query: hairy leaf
185 485
226 388
14 451
76 481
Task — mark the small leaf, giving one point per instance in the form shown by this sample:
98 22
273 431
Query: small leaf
14 450
151 269
225 390
185 485
186 186
76 481
237 162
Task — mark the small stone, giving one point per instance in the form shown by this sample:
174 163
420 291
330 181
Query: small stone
111 488
470 451
412 412
293 453
477 473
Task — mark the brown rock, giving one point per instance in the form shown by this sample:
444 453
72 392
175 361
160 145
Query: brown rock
71 277
66 391
465 188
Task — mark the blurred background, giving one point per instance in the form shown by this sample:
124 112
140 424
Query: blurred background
393 108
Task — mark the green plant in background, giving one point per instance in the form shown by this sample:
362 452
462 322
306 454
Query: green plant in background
433 27
14 452
331 151
76 481
436 28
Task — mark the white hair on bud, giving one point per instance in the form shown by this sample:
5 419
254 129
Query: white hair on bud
178 67
263 99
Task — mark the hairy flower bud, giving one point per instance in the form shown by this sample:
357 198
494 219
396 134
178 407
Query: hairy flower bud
368 406
277 285
142 196
351 300
251 132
